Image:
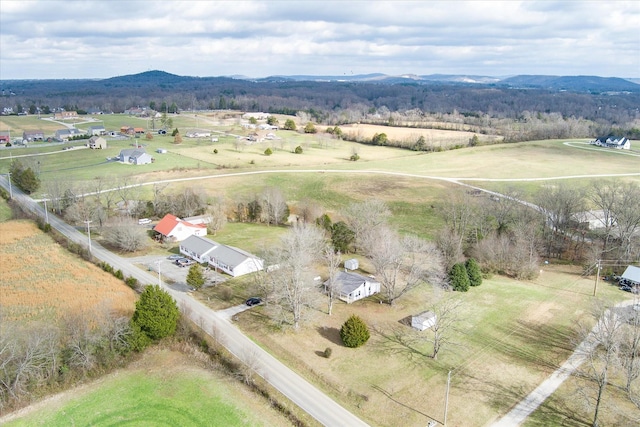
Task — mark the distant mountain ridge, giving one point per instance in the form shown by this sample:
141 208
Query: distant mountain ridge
554 83
590 84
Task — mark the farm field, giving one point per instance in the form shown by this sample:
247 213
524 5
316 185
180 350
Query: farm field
162 388
41 281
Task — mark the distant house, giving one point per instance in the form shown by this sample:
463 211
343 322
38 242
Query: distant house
199 134
592 219
353 286
4 137
424 320
127 130
97 130
173 229
138 130
65 115
621 143
136 156
97 142
64 135
33 135
256 115
228 259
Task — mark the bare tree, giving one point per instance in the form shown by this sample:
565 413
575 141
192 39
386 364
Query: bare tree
630 346
333 259
627 218
126 235
365 217
274 205
217 214
310 210
447 313
560 203
292 280
604 195
401 264
600 349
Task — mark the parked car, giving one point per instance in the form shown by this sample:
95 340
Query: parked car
175 257
253 301
184 262
144 221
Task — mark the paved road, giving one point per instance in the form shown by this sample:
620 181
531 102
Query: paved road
317 404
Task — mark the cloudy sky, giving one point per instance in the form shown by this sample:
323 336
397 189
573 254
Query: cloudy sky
99 39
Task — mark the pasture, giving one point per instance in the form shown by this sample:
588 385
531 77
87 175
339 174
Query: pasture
162 388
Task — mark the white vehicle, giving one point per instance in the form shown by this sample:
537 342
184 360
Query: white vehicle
144 221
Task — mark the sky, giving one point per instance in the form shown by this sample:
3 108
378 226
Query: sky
50 39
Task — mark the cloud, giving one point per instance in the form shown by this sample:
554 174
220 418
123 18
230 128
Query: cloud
260 38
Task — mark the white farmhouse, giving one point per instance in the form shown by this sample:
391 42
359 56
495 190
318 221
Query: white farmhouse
353 286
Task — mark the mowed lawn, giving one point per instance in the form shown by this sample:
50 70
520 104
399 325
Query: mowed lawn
164 388
511 335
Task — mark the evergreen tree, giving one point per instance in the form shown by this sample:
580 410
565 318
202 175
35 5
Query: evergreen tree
156 313
342 236
195 277
458 278
473 271
354 332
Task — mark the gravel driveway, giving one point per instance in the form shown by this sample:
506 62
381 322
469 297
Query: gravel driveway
171 274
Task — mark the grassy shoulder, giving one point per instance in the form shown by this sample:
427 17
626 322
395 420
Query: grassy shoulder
163 388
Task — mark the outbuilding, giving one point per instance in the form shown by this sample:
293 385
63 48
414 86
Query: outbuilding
424 320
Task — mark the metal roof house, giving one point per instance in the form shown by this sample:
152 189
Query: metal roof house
632 274
174 229
233 261
353 286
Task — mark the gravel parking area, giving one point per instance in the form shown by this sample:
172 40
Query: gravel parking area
172 274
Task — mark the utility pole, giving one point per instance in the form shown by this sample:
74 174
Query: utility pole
159 275
446 399
46 212
88 232
10 189
595 286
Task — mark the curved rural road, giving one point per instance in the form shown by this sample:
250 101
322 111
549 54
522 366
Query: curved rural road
297 389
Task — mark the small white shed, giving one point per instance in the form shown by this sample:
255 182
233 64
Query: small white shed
424 320
351 264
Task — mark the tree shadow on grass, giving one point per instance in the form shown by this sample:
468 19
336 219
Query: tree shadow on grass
540 348
331 334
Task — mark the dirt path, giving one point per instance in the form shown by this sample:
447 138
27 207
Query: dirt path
522 410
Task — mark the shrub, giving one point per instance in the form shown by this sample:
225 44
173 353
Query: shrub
215 151
132 282
354 157
474 272
268 152
298 150
458 278
119 274
354 332
327 352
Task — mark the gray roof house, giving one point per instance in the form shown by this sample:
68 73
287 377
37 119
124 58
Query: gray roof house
97 130
233 261
66 134
353 286
136 156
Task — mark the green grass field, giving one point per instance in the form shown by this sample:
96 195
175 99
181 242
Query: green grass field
168 390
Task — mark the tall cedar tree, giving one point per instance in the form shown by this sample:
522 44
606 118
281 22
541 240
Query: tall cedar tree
473 271
195 278
156 313
354 332
458 278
